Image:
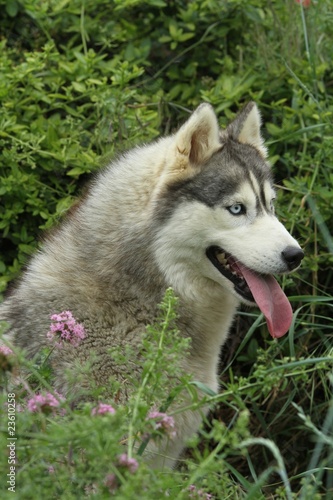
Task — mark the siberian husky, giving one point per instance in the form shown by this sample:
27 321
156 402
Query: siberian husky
193 211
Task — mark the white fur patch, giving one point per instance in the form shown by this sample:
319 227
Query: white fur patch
181 244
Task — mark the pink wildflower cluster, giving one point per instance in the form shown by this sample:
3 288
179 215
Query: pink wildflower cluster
196 494
127 463
65 329
6 360
163 423
102 409
5 350
124 463
111 482
44 403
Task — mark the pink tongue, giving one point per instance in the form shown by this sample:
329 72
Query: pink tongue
271 300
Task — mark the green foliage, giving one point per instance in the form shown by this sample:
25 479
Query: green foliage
72 453
82 79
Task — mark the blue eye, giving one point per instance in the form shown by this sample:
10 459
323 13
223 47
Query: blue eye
237 209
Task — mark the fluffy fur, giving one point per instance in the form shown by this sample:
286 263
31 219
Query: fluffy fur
145 225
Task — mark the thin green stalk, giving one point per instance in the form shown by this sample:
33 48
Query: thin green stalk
305 31
223 396
146 379
82 29
281 469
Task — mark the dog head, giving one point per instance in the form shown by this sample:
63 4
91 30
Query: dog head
217 226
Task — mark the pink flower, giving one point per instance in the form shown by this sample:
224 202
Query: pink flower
5 350
163 423
102 408
65 329
124 463
6 359
195 493
45 404
129 463
305 3
111 482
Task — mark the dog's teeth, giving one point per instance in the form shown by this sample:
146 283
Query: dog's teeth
221 258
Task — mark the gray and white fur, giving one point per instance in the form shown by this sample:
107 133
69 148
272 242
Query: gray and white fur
146 224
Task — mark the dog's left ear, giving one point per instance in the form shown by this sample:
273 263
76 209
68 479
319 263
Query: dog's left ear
198 139
246 128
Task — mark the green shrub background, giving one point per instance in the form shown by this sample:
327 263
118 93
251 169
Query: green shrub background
82 80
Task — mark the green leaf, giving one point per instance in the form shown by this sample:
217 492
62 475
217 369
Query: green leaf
12 7
204 388
273 129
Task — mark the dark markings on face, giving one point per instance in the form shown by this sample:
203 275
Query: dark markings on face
220 178
265 202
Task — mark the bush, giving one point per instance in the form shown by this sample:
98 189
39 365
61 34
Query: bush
82 80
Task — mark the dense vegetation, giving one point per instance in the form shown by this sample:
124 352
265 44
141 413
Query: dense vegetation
81 80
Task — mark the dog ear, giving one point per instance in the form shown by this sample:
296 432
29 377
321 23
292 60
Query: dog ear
198 139
246 128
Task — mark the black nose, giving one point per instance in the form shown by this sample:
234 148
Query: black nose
292 256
